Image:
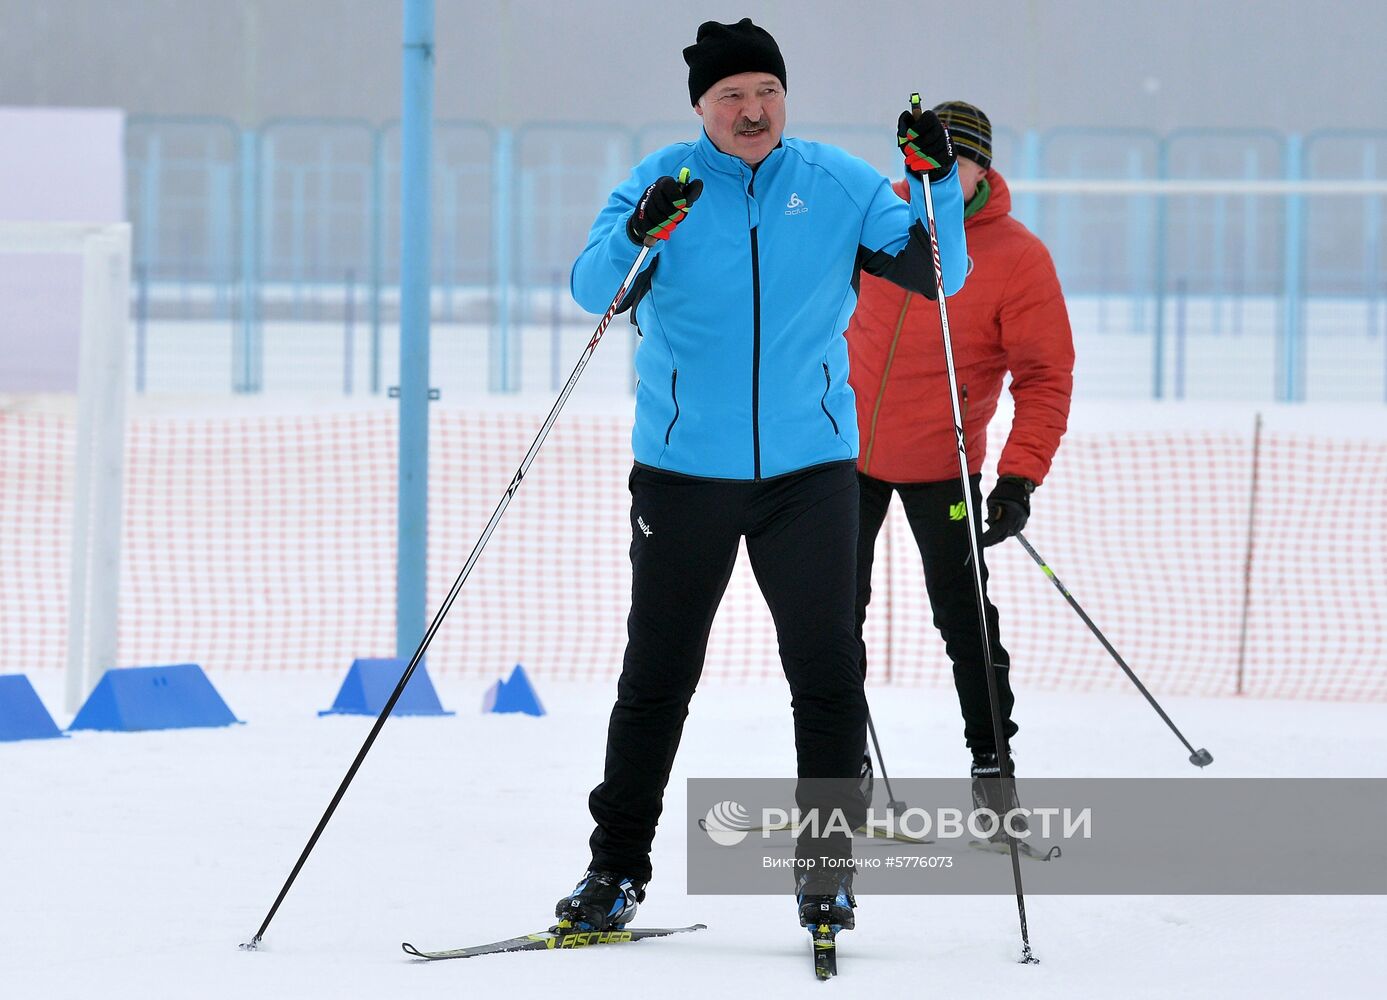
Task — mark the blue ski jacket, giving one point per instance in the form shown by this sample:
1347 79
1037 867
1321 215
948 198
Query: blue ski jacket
742 365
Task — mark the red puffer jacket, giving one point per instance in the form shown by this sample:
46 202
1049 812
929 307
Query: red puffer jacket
1009 316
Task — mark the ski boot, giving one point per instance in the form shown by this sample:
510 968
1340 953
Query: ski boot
826 903
993 792
601 901
866 779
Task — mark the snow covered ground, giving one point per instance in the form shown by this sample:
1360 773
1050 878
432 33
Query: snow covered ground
132 865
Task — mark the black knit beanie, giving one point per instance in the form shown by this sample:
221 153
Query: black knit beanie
969 129
724 50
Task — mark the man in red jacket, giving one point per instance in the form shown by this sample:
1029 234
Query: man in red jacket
1009 317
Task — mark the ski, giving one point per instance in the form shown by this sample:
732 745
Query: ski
824 940
1023 848
551 939
886 833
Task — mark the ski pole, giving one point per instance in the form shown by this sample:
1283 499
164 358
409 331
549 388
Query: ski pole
432 630
998 730
892 803
1200 757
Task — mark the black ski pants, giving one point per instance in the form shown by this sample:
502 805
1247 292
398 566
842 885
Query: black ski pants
801 536
934 511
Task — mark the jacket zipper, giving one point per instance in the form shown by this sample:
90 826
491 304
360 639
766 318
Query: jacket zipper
755 345
823 400
673 382
881 393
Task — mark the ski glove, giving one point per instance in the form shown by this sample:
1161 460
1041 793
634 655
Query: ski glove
925 144
661 208
1008 509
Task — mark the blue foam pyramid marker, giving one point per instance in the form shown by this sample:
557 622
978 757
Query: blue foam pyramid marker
514 694
22 715
369 684
136 699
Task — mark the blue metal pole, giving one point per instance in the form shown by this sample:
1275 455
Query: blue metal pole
148 251
1292 368
1372 239
1219 264
141 326
1181 292
558 288
1158 289
348 332
377 254
416 127
1028 208
450 243
298 226
219 201
1246 275
242 369
502 223
1373 257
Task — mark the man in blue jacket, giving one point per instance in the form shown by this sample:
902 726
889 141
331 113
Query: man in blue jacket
746 428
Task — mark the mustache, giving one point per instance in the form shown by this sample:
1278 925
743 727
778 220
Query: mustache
747 125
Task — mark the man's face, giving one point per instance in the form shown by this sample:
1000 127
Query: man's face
969 174
744 115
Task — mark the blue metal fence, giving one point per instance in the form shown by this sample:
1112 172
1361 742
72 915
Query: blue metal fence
295 224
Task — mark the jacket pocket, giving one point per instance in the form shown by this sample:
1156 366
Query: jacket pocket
674 395
823 400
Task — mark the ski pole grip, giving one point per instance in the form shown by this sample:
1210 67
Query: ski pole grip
684 175
915 106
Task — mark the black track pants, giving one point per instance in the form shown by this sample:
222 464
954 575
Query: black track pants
801 536
930 510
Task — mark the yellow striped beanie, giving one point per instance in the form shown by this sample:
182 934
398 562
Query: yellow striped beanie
969 129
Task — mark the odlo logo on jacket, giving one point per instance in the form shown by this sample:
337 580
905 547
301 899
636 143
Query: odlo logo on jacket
796 205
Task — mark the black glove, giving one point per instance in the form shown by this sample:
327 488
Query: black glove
926 145
1008 508
661 208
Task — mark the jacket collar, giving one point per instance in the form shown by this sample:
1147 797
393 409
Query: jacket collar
998 198
726 163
